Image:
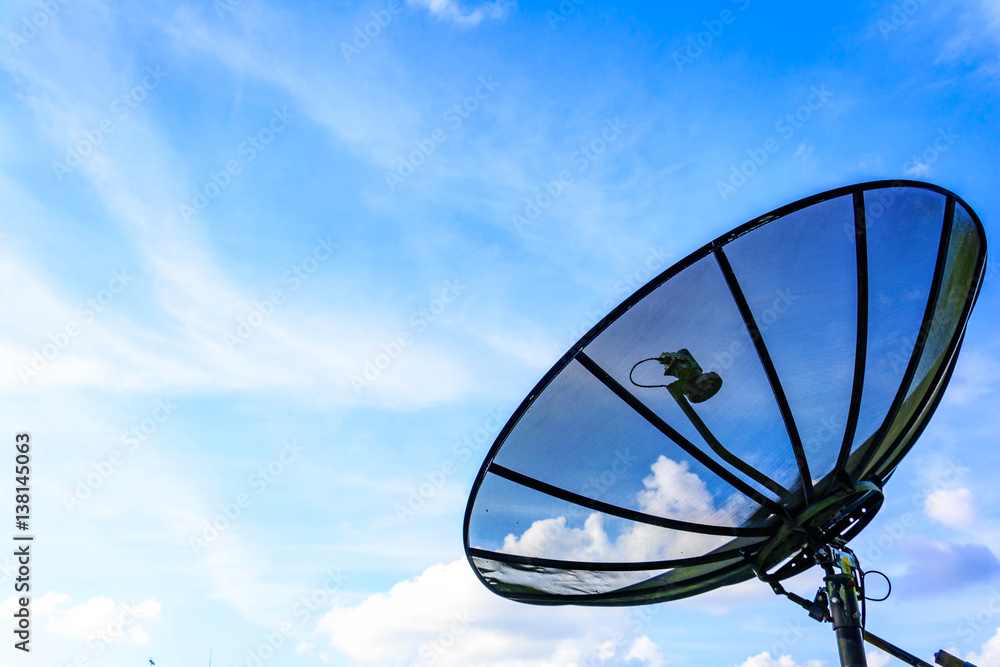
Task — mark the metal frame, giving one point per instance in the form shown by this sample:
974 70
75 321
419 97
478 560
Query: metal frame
769 370
861 339
713 567
930 401
927 321
622 512
685 444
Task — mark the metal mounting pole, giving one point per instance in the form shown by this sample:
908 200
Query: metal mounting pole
846 615
838 602
845 610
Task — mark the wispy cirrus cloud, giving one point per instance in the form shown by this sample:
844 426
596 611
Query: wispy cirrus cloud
456 12
976 38
184 280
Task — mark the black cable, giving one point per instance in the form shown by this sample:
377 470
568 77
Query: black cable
861 586
861 589
646 386
887 581
865 598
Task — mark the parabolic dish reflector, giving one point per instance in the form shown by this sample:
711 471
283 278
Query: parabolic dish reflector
833 324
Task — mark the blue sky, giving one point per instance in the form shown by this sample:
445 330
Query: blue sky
264 270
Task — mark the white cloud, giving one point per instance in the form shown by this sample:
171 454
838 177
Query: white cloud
766 660
979 25
646 651
989 654
552 538
878 659
467 625
955 508
198 301
452 10
674 491
99 618
975 378
670 491
377 119
165 509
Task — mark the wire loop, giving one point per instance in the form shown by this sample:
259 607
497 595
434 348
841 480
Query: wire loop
646 386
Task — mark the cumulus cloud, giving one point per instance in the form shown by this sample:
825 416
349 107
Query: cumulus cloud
952 507
670 491
766 660
646 651
878 659
989 654
467 625
452 10
99 618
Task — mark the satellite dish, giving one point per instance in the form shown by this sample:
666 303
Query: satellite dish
739 415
